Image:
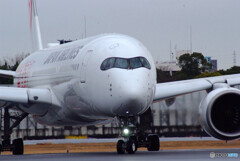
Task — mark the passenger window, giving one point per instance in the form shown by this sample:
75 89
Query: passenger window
121 63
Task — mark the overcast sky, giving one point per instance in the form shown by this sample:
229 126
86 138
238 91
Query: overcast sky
215 24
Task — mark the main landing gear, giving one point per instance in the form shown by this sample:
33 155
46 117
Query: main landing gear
17 145
131 142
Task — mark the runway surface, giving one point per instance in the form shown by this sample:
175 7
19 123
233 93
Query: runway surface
94 140
176 155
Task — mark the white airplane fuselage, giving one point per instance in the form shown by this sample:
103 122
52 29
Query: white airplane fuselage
83 93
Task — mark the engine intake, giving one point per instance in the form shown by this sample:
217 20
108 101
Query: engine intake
220 113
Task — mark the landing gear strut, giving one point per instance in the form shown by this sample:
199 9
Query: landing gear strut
132 141
17 145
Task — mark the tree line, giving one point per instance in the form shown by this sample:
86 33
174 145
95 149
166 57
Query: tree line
11 65
193 66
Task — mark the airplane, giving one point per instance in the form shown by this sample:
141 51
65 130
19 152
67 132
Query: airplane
103 78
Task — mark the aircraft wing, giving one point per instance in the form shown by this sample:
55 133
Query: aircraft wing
177 88
7 73
25 95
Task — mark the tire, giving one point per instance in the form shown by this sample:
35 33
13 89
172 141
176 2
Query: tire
120 147
133 138
153 143
131 147
18 147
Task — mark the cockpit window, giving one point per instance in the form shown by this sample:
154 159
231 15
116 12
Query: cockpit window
109 63
135 63
145 63
123 63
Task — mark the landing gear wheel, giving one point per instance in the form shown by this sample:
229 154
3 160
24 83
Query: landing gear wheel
17 147
153 141
131 147
120 147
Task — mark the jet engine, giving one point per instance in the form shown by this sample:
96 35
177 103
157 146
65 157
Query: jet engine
220 113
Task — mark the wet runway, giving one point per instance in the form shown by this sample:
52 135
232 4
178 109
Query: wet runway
177 155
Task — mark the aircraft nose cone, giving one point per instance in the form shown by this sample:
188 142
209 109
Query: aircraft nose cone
135 101
135 97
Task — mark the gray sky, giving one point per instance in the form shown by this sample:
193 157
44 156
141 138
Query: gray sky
215 24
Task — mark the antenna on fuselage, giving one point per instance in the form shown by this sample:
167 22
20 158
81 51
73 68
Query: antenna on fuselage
34 13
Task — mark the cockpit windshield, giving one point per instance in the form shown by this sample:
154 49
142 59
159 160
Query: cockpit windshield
124 63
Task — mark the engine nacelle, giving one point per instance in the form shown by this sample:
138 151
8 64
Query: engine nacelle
220 113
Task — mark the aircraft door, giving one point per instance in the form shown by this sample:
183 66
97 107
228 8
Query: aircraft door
84 66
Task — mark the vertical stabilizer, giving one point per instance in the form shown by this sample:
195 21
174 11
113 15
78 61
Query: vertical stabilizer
34 14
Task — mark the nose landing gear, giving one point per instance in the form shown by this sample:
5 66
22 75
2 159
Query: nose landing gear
128 146
133 140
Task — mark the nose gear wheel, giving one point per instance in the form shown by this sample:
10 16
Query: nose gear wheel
132 141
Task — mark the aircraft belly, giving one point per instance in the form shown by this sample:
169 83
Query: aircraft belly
73 110
82 107
67 117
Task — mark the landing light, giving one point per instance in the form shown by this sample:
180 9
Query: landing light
126 131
